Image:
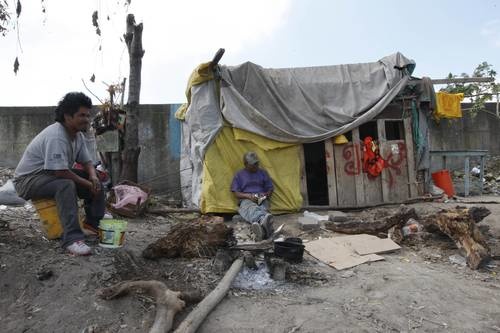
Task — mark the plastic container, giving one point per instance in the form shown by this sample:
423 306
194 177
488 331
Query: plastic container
112 233
49 216
442 179
47 211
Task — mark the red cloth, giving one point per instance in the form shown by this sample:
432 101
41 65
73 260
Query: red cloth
373 163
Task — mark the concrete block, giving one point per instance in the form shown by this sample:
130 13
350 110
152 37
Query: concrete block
308 223
336 216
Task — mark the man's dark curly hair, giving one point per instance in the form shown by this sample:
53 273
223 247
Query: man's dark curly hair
70 104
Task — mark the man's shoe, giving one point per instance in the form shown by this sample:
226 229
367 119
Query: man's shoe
267 224
257 231
79 248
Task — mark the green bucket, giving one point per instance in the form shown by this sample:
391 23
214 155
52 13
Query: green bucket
112 233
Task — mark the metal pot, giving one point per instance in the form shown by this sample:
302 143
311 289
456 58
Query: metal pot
291 249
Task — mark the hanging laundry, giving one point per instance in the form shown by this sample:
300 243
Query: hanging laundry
373 163
448 106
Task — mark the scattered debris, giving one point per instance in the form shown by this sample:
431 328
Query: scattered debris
411 227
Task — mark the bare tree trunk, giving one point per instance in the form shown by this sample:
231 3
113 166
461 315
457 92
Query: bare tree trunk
131 149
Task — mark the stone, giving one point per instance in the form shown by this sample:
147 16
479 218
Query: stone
308 223
337 216
489 177
44 274
457 259
347 274
277 268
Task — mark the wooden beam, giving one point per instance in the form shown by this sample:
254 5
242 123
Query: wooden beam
463 80
412 180
330 173
382 139
303 177
360 190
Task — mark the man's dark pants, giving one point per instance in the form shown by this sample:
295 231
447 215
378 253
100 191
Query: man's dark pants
66 193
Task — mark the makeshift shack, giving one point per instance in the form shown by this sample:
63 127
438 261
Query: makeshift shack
292 119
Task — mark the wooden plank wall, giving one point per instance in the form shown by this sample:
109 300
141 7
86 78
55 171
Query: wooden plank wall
349 186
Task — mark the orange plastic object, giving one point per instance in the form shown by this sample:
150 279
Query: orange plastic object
442 179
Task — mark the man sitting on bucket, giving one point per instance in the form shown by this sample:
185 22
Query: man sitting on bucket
45 171
253 187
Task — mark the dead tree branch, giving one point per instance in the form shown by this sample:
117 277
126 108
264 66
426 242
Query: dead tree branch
198 315
168 302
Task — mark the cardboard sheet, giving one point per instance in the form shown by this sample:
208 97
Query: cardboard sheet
367 244
338 253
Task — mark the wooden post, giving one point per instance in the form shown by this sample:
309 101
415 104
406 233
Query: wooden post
360 190
382 139
330 173
412 180
303 177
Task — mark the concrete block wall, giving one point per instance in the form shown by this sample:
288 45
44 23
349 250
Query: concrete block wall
159 138
481 132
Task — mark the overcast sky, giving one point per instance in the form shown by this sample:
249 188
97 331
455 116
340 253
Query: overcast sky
60 47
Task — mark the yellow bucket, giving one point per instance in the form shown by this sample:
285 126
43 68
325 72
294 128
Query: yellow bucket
51 224
112 233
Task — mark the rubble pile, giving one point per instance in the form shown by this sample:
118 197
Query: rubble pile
491 179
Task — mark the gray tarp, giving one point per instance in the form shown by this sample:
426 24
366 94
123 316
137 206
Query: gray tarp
203 122
313 103
290 105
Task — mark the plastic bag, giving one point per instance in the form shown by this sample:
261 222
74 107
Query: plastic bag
126 194
315 216
8 195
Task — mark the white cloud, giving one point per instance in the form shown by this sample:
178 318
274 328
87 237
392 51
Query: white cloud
491 30
177 36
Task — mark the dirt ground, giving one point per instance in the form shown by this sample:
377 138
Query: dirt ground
415 289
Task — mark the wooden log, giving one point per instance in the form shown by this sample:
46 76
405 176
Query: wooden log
168 302
264 245
460 226
201 311
478 213
373 227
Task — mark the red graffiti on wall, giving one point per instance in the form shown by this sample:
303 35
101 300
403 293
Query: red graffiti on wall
394 161
353 166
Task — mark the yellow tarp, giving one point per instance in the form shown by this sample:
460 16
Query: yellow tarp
224 158
202 73
448 105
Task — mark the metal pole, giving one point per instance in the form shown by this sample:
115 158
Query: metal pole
481 174
466 177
